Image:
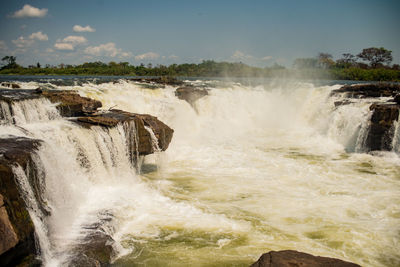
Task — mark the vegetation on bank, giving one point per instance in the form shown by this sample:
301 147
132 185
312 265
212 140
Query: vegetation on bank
323 66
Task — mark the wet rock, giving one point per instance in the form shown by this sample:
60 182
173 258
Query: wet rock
17 229
369 90
71 104
144 146
164 80
95 250
381 132
291 258
10 85
190 94
397 99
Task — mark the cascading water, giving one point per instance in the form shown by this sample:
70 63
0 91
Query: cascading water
255 168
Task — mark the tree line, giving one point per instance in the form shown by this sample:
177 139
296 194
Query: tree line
370 64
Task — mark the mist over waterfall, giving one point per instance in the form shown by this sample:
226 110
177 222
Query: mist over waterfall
252 166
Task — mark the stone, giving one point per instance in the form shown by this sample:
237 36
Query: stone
397 99
190 94
70 103
369 90
15 223
292 258
9 238
163 80
380 132
114 117
10 85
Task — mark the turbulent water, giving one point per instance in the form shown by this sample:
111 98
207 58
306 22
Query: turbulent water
251 168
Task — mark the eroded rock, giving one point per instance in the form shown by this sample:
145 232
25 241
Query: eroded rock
144 146
164 80
190 94
369 90
292 258
381 132
16 225
10 85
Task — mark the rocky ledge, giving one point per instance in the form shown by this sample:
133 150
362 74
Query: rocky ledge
385 113
144 145
69 103
292 258
16 228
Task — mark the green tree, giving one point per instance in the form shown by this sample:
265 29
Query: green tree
376 56
325 60
10 61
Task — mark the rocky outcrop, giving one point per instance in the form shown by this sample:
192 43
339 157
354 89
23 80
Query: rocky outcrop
144 146
381 129
16 226
163 80
384 114
292 258
369 90
10 85
190 94
70 103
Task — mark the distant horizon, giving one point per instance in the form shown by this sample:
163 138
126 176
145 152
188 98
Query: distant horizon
257 33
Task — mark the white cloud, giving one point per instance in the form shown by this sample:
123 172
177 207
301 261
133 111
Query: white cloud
49 50
73 39
39 36
22 42
239 55
30 11
3 45
64 46
108 49
266 58
69 42
149 55
78 28
173 57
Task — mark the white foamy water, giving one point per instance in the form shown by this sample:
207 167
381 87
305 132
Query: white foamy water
253 169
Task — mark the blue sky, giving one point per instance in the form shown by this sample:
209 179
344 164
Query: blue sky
258 33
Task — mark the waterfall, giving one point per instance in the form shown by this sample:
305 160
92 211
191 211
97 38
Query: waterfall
35 212
396 136
28 111
240 175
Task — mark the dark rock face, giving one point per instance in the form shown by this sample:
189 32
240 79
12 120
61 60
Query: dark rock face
190 94
384 116
71 103
369 90
380 133
291 258
144 147
16 226
10 85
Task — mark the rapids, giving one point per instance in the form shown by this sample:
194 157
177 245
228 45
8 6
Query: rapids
253 167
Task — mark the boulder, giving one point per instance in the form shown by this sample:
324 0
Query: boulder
71 104
369 90
190 94
380 132
16 226
114 117
10 85
292 258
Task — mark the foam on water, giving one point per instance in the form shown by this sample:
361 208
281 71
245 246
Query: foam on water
254 169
